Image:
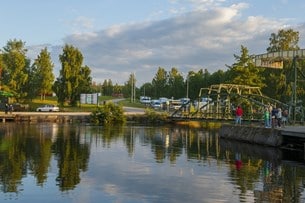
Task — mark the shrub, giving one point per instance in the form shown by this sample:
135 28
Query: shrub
155 117
108 113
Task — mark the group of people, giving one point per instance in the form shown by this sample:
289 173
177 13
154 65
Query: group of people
273 117
8 108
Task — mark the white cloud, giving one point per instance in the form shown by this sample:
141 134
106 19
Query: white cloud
82 22
205 38
114 30
206 4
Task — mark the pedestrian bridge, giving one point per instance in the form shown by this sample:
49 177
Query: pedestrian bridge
221 101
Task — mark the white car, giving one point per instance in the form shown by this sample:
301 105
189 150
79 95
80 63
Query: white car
48 108
145 100
156 104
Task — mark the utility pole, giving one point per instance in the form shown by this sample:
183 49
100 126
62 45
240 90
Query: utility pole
188 83
294 99
131 93
187 86
133 89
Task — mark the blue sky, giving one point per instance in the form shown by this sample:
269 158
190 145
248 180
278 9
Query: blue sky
119 37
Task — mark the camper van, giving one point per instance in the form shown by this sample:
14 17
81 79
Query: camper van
145 100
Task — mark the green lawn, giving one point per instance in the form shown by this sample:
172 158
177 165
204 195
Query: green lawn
127 102
83 107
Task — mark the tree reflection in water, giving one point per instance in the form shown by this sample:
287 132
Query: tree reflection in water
28 150
72 157
259 172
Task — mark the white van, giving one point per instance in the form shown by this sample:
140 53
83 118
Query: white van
145 100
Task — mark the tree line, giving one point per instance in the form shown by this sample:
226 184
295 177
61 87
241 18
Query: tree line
276 83
27 80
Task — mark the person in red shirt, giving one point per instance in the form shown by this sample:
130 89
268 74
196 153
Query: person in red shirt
239 114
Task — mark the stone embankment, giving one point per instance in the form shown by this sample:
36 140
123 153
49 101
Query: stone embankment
252 134
59 117
291 137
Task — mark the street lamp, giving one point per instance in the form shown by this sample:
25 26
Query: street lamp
133 88
188 84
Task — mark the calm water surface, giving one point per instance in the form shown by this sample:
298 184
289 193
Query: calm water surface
77 163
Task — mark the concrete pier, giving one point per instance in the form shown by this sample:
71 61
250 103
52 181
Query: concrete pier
290 136
252 134
60 117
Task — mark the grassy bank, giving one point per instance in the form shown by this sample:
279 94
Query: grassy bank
81 107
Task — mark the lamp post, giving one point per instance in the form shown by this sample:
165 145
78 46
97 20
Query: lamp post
188 84
133 88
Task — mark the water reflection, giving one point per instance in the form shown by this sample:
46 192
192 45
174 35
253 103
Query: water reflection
72 157
139 164
28 150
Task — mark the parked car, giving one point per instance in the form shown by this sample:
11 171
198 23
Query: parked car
48 108
145 100
175 104
156 104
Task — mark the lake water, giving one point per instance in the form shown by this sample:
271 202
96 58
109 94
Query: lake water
41 163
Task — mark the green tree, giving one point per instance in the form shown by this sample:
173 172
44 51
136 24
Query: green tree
97 87
32 84
284 40
175 84
117 89
198 80
85 81
129 89
1 69
244 72
15 65
44 73
218 77
107 87
280 81
146 90
159 83
73 78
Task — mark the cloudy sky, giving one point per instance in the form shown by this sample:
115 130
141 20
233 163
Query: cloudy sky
120 37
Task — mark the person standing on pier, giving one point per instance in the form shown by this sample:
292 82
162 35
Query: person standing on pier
279 117
274 116
239 114
284 117
6 108
267 118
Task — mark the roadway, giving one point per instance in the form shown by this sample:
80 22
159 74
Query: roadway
127 110
133 110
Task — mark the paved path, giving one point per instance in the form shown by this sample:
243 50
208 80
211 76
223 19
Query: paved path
127 110
296 131
133 110
293 128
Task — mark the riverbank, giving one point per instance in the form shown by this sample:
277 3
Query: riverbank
252 134
290 136
287 137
